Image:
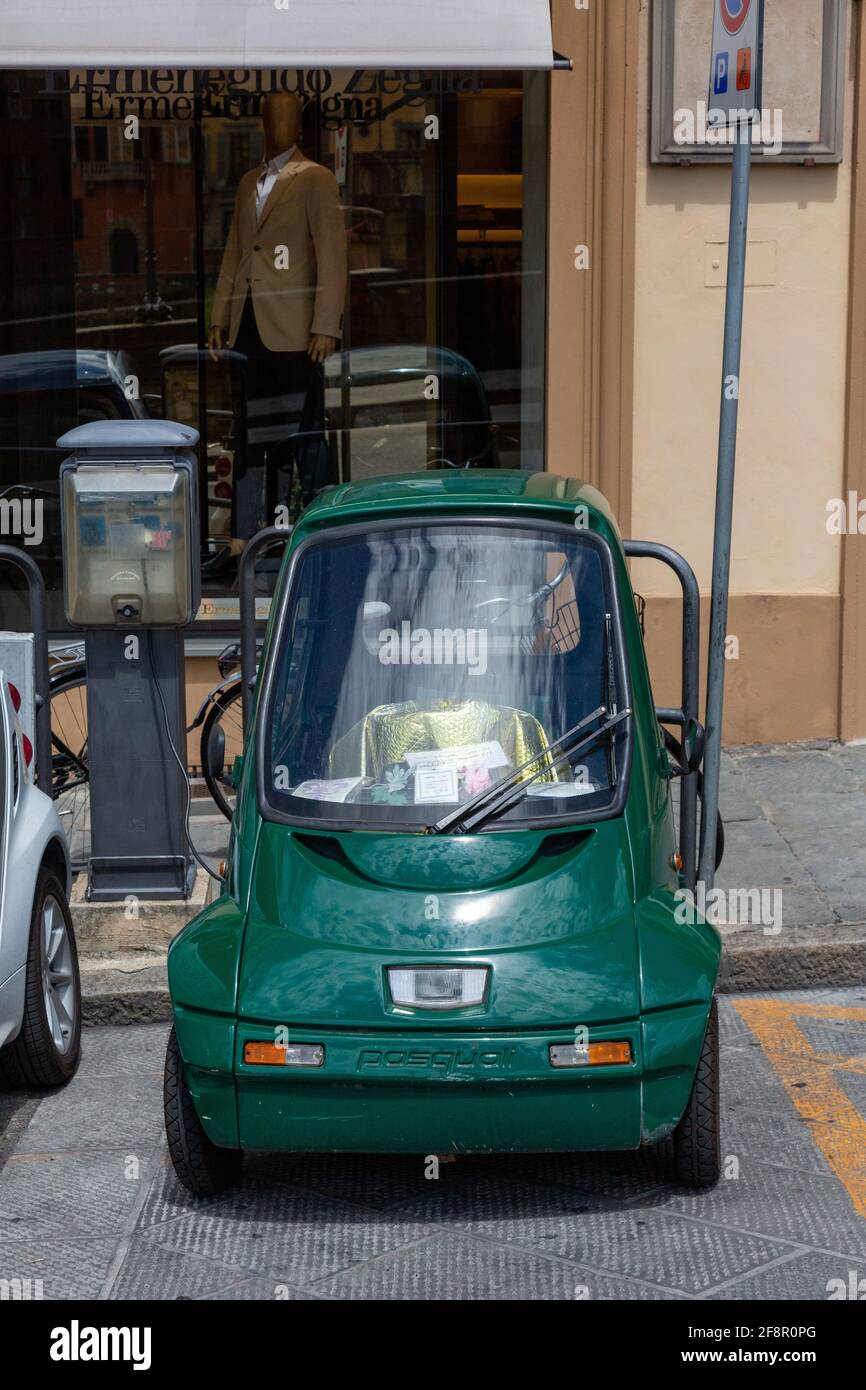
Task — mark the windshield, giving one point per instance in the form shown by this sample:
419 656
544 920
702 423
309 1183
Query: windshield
414 668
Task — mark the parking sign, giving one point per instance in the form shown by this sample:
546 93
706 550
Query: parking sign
737 62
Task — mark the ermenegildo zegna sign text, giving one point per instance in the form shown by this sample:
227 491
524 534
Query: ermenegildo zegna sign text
236 93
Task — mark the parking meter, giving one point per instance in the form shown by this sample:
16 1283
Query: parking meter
129 499
130 518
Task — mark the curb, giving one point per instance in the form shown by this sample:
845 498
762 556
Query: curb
103 929
128 988
822 958
132 987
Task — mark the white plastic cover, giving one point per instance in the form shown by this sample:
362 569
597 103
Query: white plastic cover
426 34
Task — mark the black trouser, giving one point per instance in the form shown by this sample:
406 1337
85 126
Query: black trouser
277 384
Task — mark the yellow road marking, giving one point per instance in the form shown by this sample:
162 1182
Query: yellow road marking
836 1125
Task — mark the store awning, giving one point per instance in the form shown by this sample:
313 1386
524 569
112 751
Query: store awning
426 34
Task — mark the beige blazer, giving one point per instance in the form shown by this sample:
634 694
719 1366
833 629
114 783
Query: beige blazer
303 214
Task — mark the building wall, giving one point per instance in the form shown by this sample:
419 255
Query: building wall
592 191
785 573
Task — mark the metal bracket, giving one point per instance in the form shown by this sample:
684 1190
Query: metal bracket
651 550
271 535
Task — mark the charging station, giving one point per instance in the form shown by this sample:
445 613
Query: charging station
130 516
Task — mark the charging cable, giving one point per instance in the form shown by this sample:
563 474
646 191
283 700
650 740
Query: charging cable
178 760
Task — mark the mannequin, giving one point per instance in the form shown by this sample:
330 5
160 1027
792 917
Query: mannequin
280 294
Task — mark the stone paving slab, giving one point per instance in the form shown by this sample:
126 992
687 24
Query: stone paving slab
812 831
781 1203
151 1272
89 1203
449 1267
97 1112
747 1080
655 1248
798 1277
261 1290
292 1234
67 1268
99 1192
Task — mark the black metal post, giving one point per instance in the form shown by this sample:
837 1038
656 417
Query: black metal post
651 550
271 535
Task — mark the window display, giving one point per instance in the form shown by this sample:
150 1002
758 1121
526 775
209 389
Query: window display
328 274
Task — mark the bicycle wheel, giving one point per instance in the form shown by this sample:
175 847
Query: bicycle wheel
70 773
222 740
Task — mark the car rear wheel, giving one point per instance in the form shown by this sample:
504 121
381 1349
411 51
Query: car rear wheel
697 1141
202 1167
47 1049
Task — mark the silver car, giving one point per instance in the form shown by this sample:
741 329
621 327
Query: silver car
40 988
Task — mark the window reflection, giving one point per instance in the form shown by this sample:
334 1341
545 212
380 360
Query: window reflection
121 211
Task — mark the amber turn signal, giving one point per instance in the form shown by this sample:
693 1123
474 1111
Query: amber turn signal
596 1054
608 1054
268 1054
264 1054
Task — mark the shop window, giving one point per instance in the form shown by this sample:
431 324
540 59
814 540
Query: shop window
433 284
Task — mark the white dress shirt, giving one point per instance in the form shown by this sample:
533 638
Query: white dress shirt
268 177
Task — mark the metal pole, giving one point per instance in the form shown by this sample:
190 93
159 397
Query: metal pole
272 535
690 689
725 497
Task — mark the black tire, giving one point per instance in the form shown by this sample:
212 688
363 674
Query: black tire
225 711
202 1167
34 1060
697 1139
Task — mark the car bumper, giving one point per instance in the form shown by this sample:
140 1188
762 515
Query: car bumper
429 1091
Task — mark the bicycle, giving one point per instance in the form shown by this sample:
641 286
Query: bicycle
70 772
222 736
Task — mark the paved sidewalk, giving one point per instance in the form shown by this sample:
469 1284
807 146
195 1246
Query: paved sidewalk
795 821
90 1206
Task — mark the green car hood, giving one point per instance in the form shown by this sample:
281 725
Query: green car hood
551 913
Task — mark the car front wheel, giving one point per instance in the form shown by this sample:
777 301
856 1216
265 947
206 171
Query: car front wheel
202 1167
47 1049
697 1141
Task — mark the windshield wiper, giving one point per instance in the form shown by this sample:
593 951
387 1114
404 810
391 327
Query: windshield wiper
512 789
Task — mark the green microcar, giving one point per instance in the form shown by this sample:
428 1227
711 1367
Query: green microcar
453 918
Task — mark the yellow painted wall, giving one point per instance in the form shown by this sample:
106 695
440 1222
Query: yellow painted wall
790 458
